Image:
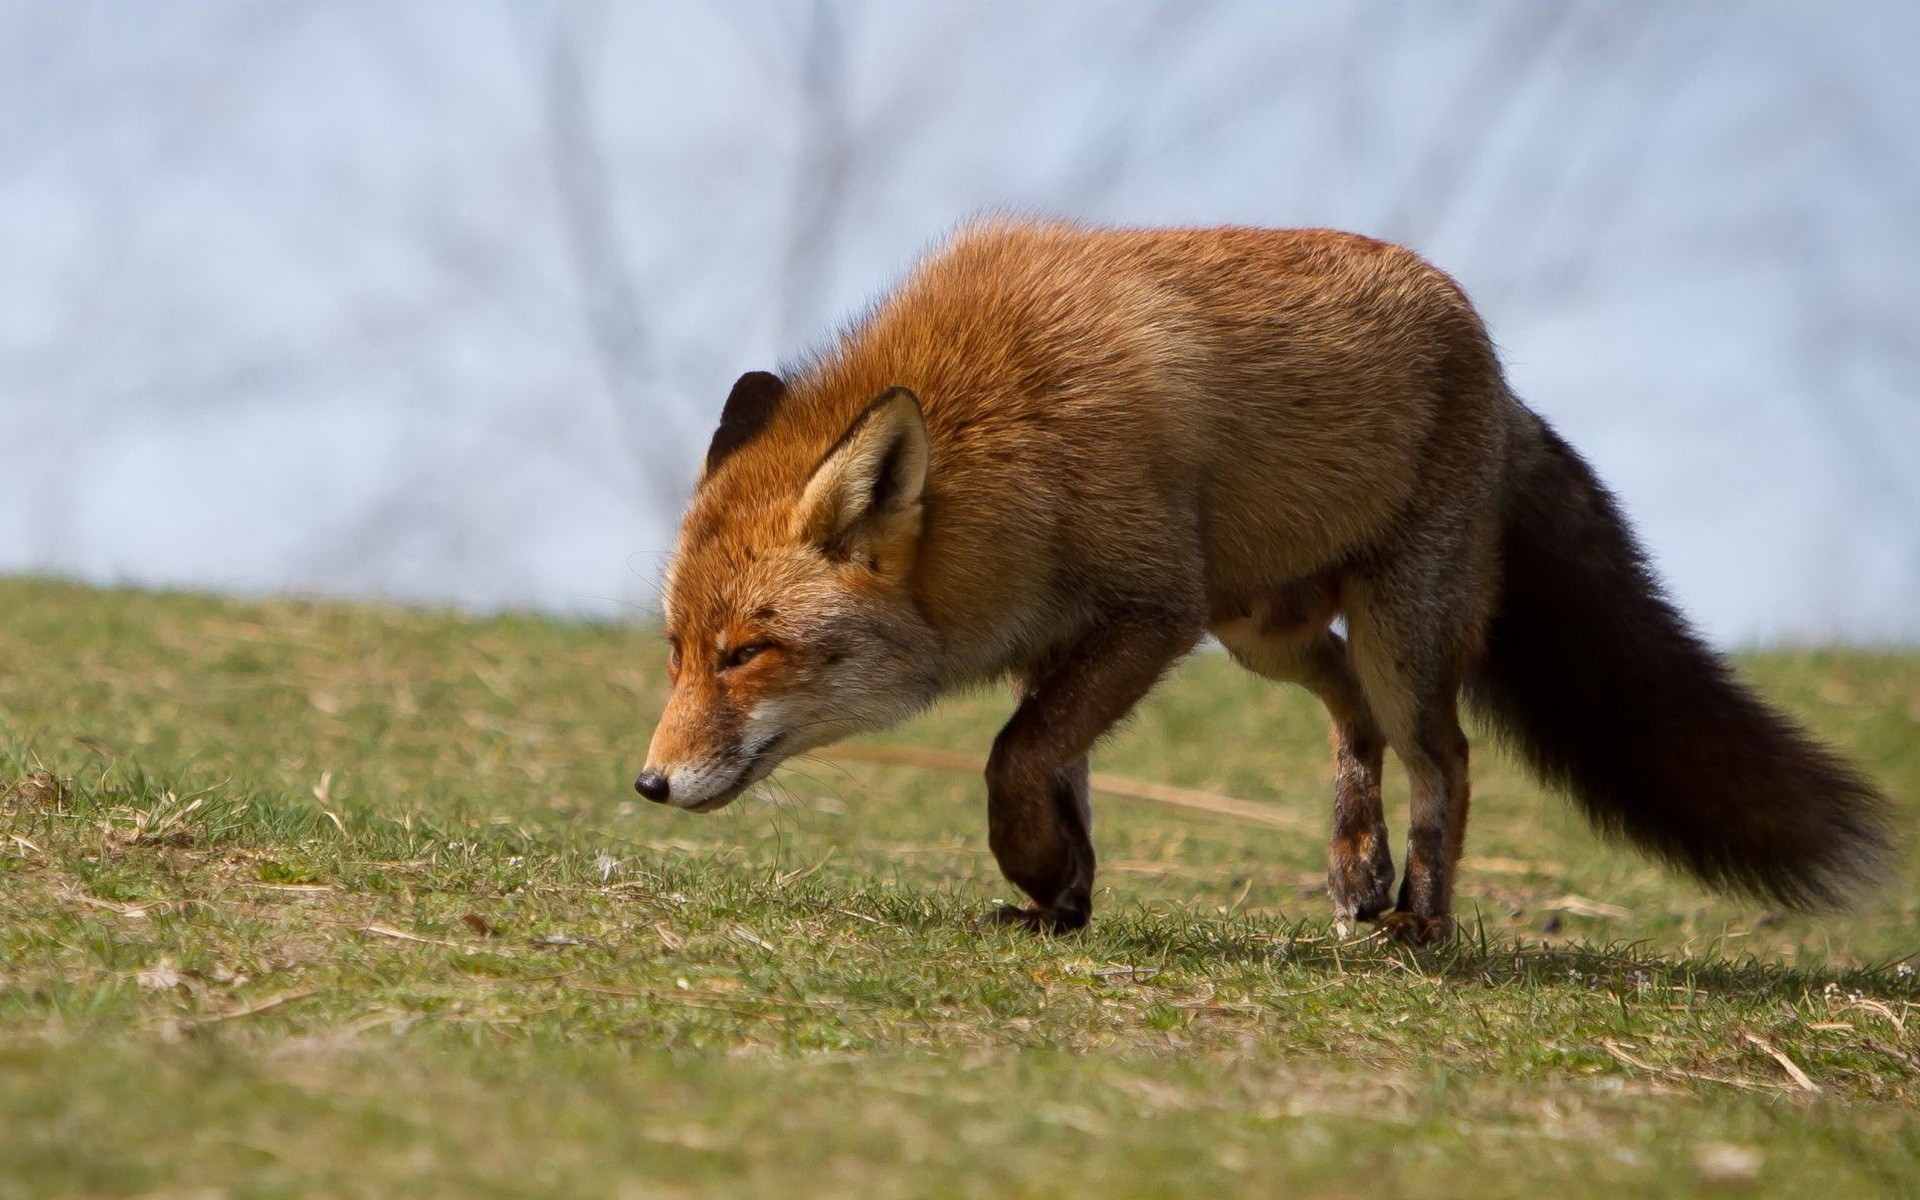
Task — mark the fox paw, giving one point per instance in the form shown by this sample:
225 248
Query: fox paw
1034 918
1360 895
1359 878
1416 930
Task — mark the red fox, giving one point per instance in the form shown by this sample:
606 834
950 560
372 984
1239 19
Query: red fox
1064 455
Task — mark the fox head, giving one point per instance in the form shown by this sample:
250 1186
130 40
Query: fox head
789 618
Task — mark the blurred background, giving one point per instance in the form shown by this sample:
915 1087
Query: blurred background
438 302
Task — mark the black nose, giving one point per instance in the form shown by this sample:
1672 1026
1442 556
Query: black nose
652 785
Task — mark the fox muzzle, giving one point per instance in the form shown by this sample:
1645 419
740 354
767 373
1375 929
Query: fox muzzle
701 788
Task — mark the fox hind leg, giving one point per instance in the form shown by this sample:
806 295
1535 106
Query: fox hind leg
1436 762
1412 637
1359 859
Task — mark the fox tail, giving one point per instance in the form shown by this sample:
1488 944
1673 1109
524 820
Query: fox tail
1598 682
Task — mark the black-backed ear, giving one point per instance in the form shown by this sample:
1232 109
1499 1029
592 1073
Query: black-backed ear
864 497
750 405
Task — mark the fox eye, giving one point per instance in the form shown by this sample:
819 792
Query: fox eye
673 658
742 655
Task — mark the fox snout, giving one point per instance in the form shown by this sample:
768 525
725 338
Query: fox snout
702 773
696 792
710 745
702 787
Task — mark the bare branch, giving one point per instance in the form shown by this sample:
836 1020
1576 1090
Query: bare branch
1494 84
609 297
824 163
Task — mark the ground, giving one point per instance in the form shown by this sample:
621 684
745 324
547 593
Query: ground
333 900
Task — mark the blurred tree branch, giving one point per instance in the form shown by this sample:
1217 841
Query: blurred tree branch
609 297
822 173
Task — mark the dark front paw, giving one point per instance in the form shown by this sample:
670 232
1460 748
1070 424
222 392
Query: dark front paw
1416 930
1055 918
1359 880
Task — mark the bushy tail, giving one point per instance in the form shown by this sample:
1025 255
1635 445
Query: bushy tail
1599 683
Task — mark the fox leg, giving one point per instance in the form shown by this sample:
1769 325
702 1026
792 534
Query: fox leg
1046 848
1039 822
1411 646
1359 861
1437 825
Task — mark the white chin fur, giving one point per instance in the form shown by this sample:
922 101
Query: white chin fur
690 787
774 725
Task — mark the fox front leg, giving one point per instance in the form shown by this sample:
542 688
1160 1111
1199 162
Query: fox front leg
1039 821
1044 845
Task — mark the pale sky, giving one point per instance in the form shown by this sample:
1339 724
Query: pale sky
439 302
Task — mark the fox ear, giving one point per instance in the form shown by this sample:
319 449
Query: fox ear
751 403
863 499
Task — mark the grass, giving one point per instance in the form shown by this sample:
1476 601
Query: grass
318 899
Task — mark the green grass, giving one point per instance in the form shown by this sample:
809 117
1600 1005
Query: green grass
316 899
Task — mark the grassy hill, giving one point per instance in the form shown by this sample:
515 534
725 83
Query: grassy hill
320 899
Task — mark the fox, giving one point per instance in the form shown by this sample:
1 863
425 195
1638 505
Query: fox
1061 456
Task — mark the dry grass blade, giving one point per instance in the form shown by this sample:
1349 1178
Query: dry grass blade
382 929
753 939
137 912
379 929
1893 1052
1799 1077
278 1000
1481 865
1875 1006
1316 988
1580 906
1746 1085
1191 799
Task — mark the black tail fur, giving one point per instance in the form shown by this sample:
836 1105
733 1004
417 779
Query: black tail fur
1603 688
